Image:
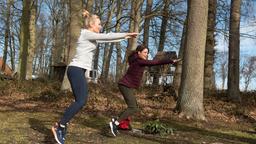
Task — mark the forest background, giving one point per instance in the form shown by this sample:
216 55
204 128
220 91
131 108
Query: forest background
215 39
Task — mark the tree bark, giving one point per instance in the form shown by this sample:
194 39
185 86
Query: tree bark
209 78
162 38
108 61
75 27
12 51
191 91
89 6
118 45
234 51
147 23
7 33
134 27
178 68
107 49
24 37
32 40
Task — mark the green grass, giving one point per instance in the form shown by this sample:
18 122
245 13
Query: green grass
31 128
27 115
34 127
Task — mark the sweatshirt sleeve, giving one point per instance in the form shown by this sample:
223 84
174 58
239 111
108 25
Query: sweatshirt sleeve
102 37
154 62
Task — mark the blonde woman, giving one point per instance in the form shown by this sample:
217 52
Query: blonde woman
82 62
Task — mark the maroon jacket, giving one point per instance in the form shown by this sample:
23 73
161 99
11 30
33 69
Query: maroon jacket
136 68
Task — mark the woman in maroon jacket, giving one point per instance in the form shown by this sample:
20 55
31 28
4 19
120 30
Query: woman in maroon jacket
131 80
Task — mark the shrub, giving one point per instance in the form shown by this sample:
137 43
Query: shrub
156 127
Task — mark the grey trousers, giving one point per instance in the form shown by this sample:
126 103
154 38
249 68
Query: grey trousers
130 100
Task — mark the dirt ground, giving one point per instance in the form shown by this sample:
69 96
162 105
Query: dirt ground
29 109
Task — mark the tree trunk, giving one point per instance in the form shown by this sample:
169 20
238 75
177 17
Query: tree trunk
234 51
191 91
108 61
209 80
24 37
57 19
64 40
249 71
7 33
89 6
98 7
134 27
12 51
75 27
178 68
32 40
165 19
147 22
107 48
118 45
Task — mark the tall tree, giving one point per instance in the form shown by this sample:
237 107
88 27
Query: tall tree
209 80
221 59
108 61
24 37
12 50
162 38
89 5
108 49
234 51
135 22
42 44
190 102
75 27
147 22
118 45
178 68
57 17
7 32
64 30
32 40
135 15
249 71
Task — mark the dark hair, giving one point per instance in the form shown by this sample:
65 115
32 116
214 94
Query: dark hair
139 48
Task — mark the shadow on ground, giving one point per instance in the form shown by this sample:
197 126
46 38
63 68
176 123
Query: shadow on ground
207 133
39 126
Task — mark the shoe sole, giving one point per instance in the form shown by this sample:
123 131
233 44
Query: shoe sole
55 135
112 128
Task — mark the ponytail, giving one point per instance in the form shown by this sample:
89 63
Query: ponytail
89 18
85 13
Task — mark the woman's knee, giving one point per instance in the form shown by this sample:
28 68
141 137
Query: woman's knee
134 109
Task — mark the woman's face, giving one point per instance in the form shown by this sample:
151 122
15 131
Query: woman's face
96 26
143 54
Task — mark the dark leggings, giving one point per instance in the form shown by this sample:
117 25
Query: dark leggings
130 100
79 87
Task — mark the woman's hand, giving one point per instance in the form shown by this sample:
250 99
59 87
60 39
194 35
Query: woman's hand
131 35
177 60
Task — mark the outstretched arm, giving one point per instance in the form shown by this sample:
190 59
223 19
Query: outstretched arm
109 37
157 62
154 62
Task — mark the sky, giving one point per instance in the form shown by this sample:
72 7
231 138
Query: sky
247 48
247 45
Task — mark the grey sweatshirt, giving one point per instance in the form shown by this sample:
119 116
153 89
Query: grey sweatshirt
86 46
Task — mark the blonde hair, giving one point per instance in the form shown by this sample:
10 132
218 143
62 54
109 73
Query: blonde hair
89 19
